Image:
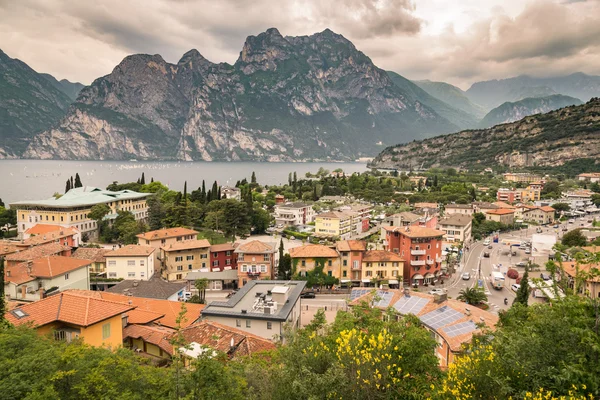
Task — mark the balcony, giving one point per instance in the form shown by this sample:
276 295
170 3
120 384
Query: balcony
356 267
439 259
417 252
253 274
430 262
417 262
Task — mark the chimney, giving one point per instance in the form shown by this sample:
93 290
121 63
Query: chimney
23 292
42 293
440 298
467 311
29 267
406 292
231 345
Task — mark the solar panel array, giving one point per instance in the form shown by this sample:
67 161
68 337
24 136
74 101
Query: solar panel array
356 293
440 317
460 329
410 305
385 299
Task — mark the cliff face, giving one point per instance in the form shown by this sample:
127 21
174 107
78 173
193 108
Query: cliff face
550 139
286 98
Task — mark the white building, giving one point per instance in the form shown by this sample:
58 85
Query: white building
130 262
461 209
591 177
456 228
231 193
291 214
35 279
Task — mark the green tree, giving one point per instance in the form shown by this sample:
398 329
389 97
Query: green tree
78 181
97 213
523 292
561 206
143 179
472 296
201 285
253 178
574 238
68 186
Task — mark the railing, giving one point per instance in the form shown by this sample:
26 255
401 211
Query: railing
430 262
357 267
417 262
439 259
251 274
417 252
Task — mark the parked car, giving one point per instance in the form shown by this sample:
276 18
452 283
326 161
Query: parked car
486 242
437 291
292 237
555 226
521 264
466 276
571 221
185 296
565 229
527 251
515 287
490 246
545 276
486 254
308 295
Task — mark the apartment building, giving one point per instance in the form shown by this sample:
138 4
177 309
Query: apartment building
593 177
380 266
223 257
420 248
508 195
521 177
456 228
179 258
95 256
131 262
306 258
458 209
71 210
335 224
165 237
351 256
502 215
540 215
292 214
256 261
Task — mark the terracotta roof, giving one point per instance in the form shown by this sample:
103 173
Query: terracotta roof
222 247
570 268
529 206
7 247
167 233
187 245
461 206
137 316
157 335
49 267
313 250
426 205
502 204
33 253
39 229
547 209
415 231
131 251
91 253
337 214
351 245
256 247
485 205
456 219
69 308
170 309
381 256
500 212
48 237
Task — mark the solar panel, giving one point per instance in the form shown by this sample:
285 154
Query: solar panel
440 317
460 329
385 299
410 305
356 293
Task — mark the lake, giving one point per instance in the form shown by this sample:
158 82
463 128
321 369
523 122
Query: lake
40 179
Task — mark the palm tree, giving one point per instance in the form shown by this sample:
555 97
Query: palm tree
472 296
201 284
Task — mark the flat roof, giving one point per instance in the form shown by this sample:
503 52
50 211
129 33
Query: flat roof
245 297
83 196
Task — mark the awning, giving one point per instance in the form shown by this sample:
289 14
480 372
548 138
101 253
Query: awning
417 276
345 280
429 276
438 273
392 282
366 281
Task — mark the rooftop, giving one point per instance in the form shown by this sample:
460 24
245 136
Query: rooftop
187 245
460 206
501 204
256 247
222 247
241 303
44 250
83 196
426 205
294 205
381 256
547 209
167 233
67 307
40 229
415 231
131 251
91 253
157 335
48 237
500 211
337 214
457 220
8 247
154 288
351 245
313 251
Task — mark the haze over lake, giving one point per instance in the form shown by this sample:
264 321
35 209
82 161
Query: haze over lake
40 179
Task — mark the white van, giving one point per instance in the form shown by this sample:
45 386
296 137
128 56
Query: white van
486 242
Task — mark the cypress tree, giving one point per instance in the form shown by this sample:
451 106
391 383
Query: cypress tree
1 203
203 193
138 181
72 185
151 180
185 192
253 179
219 194
2 301
523 292
214 191
77 180
315 197
290 179
143 179
68 186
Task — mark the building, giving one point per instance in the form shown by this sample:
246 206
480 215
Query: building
263 308
306 258
256 260
532 193
421 250
380 267
502 215
593 177
460 209
483 207
582 194
69 316
292 214
456 228
583 278
452 323
95 256
179 258
231 193
361 215
521 177
164 237
336 224
223 257
33 280
400 219
427 208
540 215
71 209
130 262
154 288
335 199
415 179
351 256
35 252
45 233
508 195
217 280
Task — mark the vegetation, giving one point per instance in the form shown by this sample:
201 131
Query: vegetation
574 238
472 295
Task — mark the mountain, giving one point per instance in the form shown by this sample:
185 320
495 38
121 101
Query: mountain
491 94
544 140
285 98
458 117
510 112
452 95
71 89
29 103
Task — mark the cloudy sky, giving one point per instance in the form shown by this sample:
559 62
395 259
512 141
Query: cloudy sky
460 42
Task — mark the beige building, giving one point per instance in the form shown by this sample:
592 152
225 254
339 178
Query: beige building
256 261
521 177
540 215
164 237
95 256
179 258
502 215
381 266
456 228
263 308
590 176
460 209
130 262
306 258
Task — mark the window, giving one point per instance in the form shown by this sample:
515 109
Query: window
178 258
61 219
329 263
269 325
216 263
141 263
228 253
344 274
178 276
304 263
180 268
189 258
130 263
369 273
163 241
355 264
329 273
189 266
238 323
345 263
131 274
248 323
203 255
105 331
66 277
228 262
263 268
266 257
112 274
142 275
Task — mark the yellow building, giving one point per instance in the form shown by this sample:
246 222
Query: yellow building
531 194
164 238
69 316
71 209
521 177
335 224
502 215
182 257
381 265
306 258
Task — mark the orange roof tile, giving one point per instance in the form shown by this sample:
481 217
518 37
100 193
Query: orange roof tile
131 251
138 316
570 268
547 209
381 256
313 250
222 247
69 308
256 247
502 204
415 231
48 237
7 247
351 245
500 212
33 253
167 233
187 245
157 335
39 229
90 253
46 267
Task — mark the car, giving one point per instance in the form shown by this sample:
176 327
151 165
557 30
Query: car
545 276
185 296
486 242
292 237
521 264
308 295
466 276
527 251
555 226
515 287
571 221
486 254
437 291
490 246
565 229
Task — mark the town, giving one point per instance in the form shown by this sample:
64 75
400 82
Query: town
250 270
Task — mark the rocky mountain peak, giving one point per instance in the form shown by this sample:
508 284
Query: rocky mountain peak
194 57
263 52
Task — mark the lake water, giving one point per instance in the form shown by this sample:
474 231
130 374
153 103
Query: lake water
40 179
